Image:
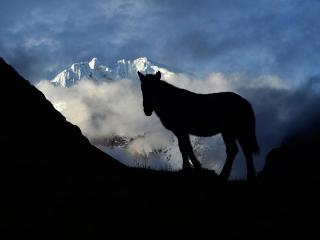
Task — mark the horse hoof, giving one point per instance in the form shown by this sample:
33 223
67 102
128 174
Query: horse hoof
187 170
197 169
251 178
224 176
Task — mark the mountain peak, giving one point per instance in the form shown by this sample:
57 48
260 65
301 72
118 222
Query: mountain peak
93 70
141 63
94 63
141 59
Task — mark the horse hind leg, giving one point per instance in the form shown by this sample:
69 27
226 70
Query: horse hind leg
245 145
232 151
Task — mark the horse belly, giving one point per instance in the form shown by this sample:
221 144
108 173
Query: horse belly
205 128
201 133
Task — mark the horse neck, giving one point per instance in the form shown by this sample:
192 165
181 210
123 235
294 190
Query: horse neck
164 97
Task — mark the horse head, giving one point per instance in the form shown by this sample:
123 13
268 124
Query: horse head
147 87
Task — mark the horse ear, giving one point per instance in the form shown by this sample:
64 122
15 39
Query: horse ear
141 76
158 75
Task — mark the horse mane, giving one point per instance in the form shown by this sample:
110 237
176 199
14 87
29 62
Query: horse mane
169 88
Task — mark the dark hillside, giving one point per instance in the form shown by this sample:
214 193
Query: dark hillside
296 161
42 155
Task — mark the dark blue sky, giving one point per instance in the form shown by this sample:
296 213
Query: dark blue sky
255 37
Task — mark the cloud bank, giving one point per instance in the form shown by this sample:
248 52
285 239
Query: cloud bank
108 109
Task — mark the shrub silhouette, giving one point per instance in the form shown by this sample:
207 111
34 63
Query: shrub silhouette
186 113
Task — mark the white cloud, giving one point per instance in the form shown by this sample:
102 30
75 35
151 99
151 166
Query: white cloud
41 41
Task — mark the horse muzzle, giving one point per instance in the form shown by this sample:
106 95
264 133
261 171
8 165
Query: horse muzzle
148 112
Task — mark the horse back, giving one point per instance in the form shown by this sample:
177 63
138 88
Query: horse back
204 114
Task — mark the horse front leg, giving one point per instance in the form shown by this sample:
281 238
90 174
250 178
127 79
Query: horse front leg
195 162
182 141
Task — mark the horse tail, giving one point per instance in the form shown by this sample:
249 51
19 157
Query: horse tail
247 129
252 138
254 144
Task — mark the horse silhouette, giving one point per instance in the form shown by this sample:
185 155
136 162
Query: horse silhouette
186 113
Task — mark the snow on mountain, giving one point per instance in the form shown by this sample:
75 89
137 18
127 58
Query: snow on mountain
98 72
83 70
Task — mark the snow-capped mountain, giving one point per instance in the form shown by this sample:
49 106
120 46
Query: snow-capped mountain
98 72
133 149
122 69
83 70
